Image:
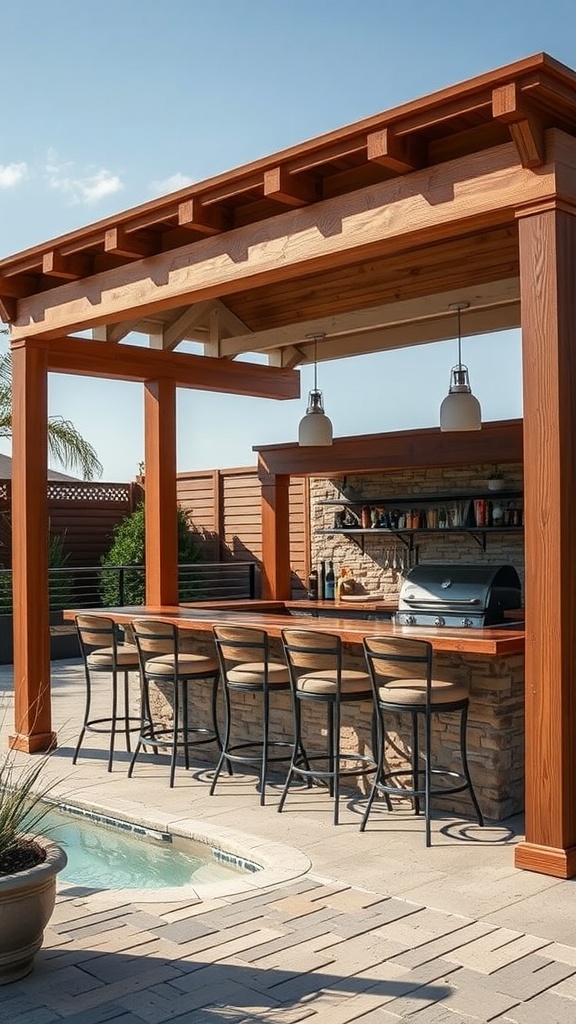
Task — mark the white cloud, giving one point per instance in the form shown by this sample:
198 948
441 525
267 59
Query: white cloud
171 184
87 188
12 174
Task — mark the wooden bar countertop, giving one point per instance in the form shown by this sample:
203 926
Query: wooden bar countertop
274 616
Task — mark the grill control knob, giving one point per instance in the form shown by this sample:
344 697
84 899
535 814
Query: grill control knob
439 621
467 622
409 620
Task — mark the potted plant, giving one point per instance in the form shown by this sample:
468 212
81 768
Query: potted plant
496 481
29 864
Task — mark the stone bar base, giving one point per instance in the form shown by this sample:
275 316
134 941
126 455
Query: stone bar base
495 725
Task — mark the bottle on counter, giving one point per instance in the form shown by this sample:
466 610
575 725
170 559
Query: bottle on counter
313 585
322 581
330 583
340 582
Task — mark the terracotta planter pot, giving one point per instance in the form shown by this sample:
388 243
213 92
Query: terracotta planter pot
26 903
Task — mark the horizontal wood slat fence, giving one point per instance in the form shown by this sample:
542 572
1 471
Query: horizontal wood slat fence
224 506
225 512
83 514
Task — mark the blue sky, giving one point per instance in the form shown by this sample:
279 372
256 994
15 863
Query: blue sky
109 104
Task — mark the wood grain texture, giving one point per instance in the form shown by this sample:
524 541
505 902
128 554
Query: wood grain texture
276 584
548 270
441 202
32 710
482 642
161 505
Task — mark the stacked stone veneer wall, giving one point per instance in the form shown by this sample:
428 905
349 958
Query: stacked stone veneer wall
495 729
368 567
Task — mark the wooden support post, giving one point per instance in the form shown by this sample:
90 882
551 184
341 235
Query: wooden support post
161 501
276 573
32 712
547 272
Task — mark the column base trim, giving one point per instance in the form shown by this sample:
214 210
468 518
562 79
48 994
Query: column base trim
34 743
547 860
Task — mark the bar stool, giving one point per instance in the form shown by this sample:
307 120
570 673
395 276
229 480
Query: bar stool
103 651
401 673
245 666
318 676
162 662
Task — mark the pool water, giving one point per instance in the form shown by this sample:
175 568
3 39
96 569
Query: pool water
103 854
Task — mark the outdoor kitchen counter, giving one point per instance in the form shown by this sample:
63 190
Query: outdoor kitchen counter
490 660
274 616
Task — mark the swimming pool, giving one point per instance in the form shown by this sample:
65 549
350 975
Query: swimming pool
106 853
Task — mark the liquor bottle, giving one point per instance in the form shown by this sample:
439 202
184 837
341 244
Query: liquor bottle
322 581
329 583
313 585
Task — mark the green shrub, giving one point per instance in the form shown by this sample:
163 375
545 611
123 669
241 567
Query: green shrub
60 584
128 548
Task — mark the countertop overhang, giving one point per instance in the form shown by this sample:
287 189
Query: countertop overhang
274 616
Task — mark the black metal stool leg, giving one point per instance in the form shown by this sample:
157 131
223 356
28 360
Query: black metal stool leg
428 777
297 746
175 728
184 722
265 728
465 768
127 710
86 715
415 760
113 720
335 765
225 743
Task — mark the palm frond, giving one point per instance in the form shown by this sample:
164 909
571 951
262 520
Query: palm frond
65 444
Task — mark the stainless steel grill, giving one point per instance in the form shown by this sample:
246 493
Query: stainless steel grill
468 596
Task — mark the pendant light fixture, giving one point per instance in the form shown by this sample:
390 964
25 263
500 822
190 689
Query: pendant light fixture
315 427
460 410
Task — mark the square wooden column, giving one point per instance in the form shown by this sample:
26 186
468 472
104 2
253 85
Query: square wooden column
276 572
160 492
548 295
32 712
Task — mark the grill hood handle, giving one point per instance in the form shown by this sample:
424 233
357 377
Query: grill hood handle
438 601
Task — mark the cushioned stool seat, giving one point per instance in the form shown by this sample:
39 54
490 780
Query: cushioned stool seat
246 667
176 673
103 651
318 676
403 683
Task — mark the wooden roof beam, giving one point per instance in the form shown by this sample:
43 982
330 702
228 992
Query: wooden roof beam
286 188
479 190
398 153
122 243
525 125
207 220
135 363
68 268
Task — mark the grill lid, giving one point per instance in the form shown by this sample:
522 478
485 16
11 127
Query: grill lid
460 587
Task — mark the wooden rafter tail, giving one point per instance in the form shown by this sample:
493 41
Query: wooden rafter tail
288 189
8 310
526 126
398 153
68 268
122 243
207 220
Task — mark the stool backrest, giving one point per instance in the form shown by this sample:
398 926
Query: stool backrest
237 645
308 650
390 658
154 638
94 632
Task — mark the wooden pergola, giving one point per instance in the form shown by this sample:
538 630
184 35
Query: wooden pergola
366 235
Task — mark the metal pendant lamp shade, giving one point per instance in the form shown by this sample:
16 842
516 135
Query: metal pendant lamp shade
460 410
315 428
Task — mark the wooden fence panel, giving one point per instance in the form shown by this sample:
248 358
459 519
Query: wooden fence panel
83 514
225 511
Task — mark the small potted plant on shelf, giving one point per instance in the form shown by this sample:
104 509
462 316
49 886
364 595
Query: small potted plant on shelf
29 864
496 481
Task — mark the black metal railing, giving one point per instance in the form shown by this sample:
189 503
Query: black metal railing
97 586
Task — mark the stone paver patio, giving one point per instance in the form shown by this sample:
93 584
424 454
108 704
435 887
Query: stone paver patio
340 926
